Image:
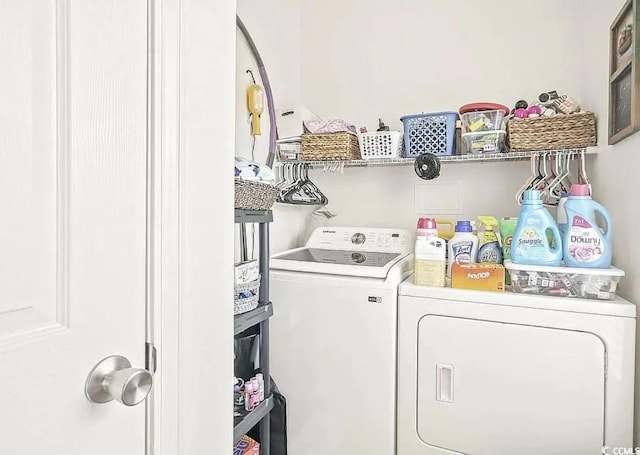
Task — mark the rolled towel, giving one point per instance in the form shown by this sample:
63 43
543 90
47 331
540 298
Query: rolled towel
249 170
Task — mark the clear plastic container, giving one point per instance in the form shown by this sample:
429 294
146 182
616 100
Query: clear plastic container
475 122
483 141
581 283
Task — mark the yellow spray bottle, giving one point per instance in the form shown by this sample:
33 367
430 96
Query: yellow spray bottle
489 251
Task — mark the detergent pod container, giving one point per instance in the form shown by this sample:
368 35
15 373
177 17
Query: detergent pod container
536 240
585 244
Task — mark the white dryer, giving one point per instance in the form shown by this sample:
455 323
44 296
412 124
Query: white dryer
333 338
498 373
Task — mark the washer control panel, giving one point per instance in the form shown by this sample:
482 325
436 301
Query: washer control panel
362 239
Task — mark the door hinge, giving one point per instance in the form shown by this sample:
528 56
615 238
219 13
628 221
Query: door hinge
606 365
151 356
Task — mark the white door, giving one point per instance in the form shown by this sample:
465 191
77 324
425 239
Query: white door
72 233
490 388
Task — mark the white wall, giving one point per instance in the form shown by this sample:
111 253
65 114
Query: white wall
362 59
365 59
275 28
616 168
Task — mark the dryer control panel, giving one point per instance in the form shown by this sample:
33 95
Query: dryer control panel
362 239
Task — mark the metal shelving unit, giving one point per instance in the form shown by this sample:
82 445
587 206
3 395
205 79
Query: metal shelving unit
247 422
252 318
254 216
469 158
258 317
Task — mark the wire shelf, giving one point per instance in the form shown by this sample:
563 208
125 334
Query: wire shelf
469 158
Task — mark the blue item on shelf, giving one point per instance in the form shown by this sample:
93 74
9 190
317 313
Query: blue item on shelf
429 133
531 244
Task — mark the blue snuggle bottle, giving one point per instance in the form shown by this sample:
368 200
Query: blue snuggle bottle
530 244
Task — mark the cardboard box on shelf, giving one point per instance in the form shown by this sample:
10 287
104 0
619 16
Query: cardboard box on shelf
246 446
478 277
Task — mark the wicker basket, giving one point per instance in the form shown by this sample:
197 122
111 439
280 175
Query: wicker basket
245 304
552 133
254 195
330 147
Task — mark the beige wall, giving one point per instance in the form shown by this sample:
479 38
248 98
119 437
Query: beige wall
365 59
616 169
275 28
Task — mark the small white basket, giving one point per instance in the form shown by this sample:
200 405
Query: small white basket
249 302
380 144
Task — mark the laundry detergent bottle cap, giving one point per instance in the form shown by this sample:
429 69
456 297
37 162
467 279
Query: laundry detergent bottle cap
580 190
464 226
426 223
426 228
536 240
585 243
532 197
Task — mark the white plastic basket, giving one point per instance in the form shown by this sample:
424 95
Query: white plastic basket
380 144
250 299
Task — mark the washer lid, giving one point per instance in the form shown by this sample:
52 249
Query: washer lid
617 307
337 262
348 251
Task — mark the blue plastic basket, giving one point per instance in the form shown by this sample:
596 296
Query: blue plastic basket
429 133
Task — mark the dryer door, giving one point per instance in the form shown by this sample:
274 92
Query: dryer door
497 389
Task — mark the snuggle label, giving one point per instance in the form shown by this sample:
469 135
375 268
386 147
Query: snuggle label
530 239
585 243
462 252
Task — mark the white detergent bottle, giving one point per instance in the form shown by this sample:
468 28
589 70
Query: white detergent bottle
585 244
430 255
463 246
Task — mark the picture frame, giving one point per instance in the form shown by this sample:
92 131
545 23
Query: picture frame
624 74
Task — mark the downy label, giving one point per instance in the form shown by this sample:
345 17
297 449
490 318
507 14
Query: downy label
585 243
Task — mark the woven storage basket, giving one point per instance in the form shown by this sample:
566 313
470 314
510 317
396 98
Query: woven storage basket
552 133
330 147
242 305
254 195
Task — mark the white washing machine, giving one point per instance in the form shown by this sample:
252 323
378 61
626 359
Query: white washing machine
333 338
498 373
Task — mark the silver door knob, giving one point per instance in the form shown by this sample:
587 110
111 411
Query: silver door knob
114 379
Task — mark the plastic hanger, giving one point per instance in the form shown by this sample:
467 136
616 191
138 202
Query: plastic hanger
301 190
582 173
556 187
528 184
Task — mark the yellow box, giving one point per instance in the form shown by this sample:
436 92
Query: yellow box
478 277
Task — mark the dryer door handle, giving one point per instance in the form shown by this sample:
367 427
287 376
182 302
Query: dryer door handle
444 383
